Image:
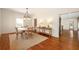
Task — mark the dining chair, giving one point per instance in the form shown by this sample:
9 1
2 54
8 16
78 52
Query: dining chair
19 32
29 32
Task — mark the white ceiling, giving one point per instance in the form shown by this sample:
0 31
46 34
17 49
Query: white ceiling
34 10
45 12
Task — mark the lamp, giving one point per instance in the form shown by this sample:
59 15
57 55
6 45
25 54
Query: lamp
26 15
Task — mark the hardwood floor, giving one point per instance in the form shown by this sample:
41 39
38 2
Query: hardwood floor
70 40
49 44
65 42
4 42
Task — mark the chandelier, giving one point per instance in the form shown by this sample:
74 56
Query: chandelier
27 15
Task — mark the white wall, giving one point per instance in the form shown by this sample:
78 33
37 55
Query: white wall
9 17
75 24
0 21
55 26
9 20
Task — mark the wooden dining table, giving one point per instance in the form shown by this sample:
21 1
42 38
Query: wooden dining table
24 30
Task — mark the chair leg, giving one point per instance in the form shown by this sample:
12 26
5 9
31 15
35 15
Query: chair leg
21 34
26 35
17 36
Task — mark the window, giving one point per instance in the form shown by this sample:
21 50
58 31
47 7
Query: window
19 22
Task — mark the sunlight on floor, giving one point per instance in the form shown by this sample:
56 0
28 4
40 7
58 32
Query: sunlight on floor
71 33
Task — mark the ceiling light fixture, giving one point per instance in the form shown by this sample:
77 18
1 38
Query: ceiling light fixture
27 15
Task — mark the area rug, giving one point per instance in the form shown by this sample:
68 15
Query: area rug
24 43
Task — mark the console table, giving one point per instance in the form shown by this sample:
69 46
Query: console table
45 30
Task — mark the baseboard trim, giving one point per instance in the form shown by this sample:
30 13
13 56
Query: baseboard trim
8 33
35 32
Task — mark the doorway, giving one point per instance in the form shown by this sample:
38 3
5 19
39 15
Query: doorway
69 25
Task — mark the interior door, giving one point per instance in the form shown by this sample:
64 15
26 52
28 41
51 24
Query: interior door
60 26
